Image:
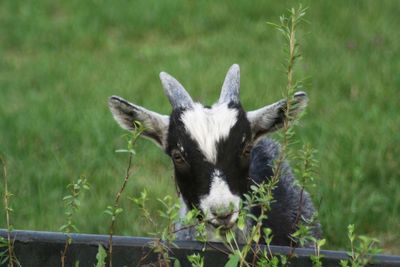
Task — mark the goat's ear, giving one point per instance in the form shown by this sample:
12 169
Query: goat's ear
125 113
270 118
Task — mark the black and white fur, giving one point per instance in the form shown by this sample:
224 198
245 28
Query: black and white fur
218 153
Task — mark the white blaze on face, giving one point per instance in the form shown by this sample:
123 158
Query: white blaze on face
208 126
219 198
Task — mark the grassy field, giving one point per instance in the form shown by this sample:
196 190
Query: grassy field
61 60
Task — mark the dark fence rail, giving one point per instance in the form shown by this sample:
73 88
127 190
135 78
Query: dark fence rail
44 249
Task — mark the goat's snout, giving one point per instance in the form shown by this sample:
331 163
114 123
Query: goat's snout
224 217
220 205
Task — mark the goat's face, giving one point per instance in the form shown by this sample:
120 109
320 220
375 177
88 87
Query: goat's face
210 150
209 146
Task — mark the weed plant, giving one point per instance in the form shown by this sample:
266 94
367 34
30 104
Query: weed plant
7 254
115 210
72 204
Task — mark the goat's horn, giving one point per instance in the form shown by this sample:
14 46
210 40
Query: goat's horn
230 88
176 93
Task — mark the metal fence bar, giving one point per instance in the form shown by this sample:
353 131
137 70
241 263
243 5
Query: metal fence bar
35 248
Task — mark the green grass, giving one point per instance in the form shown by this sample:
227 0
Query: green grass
60 61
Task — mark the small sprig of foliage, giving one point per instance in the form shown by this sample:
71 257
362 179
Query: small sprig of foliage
167 235
260 196
363 249
141 203
7 255
317 258
194 218
101 256
72 204
288 27
196 260
170 213
115 210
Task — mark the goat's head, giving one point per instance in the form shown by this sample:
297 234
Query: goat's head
209 146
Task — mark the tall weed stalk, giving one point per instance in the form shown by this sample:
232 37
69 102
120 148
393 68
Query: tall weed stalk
72 204
8 255
115 210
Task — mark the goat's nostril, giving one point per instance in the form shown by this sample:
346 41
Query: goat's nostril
221 215
224 216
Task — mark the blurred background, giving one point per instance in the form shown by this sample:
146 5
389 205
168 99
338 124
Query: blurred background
61 60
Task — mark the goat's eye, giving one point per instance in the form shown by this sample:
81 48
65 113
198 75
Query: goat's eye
177 157
247 150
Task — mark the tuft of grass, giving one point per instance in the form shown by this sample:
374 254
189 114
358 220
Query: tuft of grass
60 61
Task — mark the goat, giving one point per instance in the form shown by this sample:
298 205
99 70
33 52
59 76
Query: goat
216 149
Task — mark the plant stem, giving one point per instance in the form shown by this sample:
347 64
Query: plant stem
135 135
164 256
7 196
71 205
289 28
247 247
299 211
64 253
116 204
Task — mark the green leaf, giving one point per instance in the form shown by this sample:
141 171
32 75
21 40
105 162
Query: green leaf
267 232
284 260
77 202
101 256
108 212
118 211
68 213
344 263
5 259
67 197
241 222
251 216
256 236
126 151
254 187
321 242
233 261
63 227
177 263
350 230
74 228
274 261
229 236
